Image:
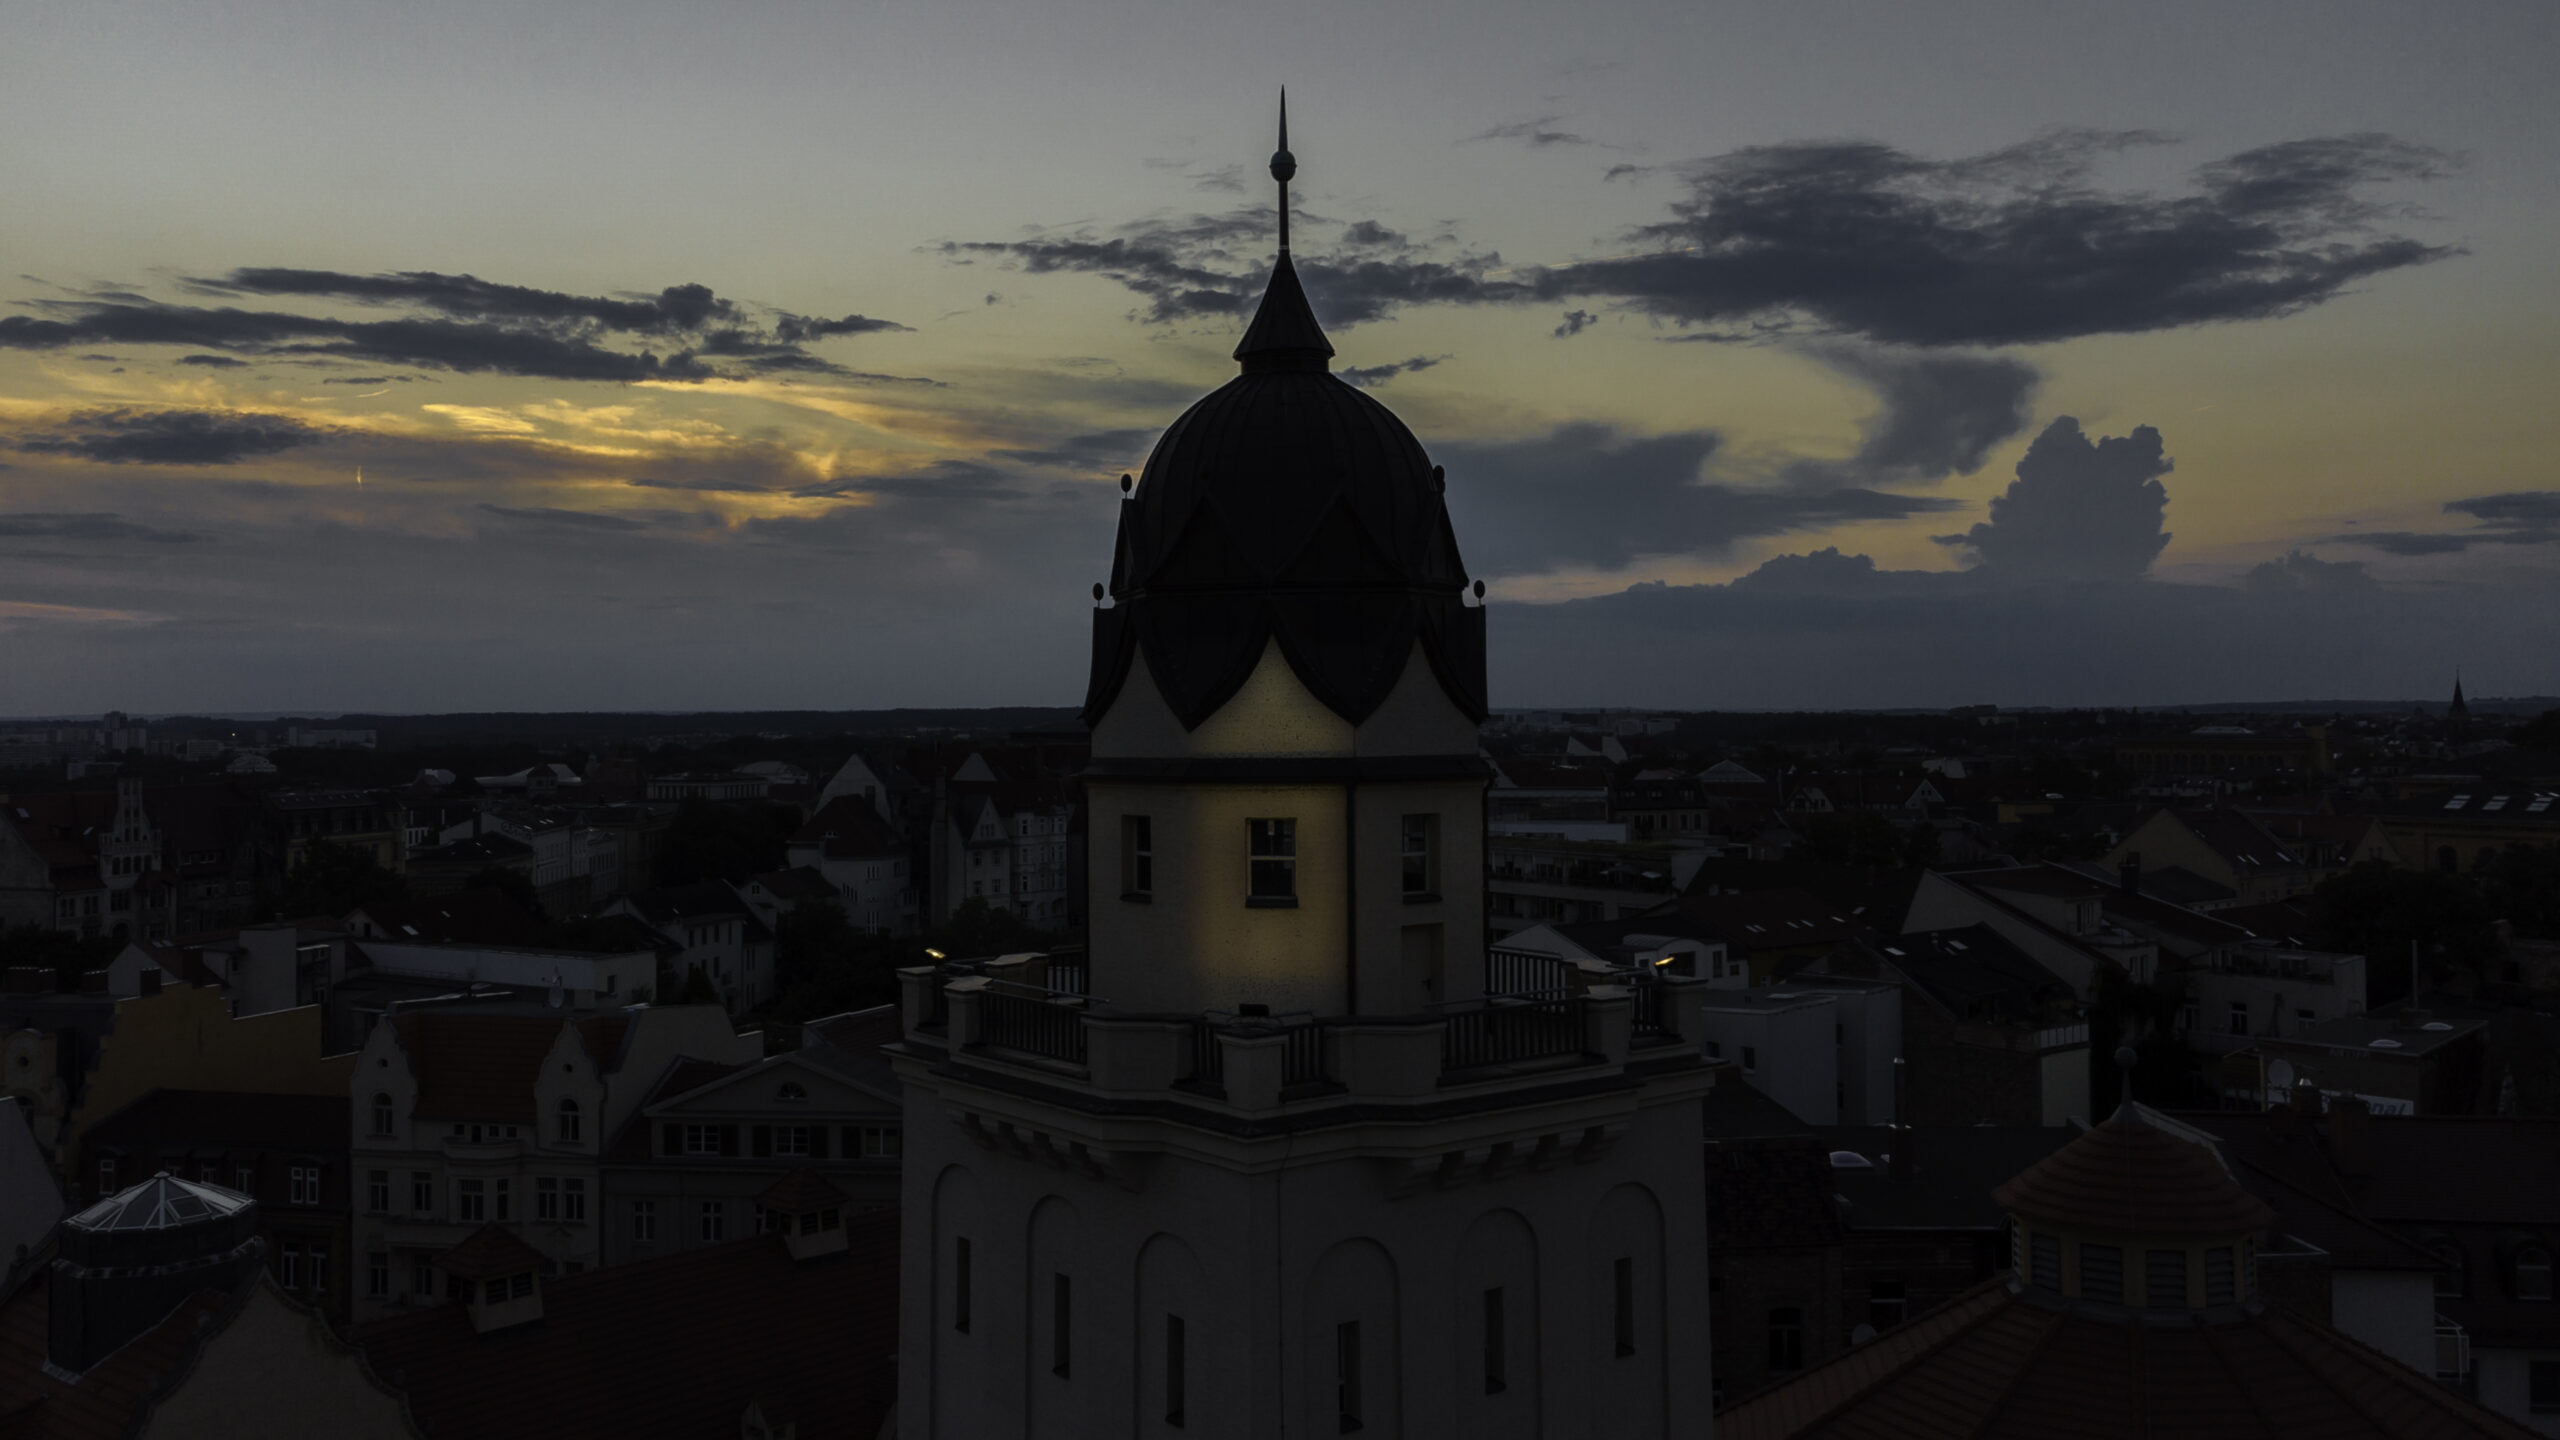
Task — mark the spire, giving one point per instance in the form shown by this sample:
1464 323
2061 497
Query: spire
1284 334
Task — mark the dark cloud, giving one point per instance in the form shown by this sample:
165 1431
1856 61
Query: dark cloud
457 322
1539 133
1591 496
2015 246
1101 450
218 362
172 437
1627 171
579 519
1574 323
2078 509
2302 570
368 379
1939 415
89 525
1369 375
796 328
2516 517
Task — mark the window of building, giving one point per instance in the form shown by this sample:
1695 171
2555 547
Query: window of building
644 1221
505 1190
1346 1374
470 1200
316 1270
2220 1282
2239 1017
2102 1273
701 1139
1497 1351
422 1275
1419 850
714 1221
1888 1301
2449 1276
2304 1020
422 1191
2533 1273
1174 1364
1062 1314
573 1200
568 1122
1750 1059
289 1265
871 1142
1137 857
1786 1339
791 1140
377 1275
2164 1279
304 1184
1623 1311
377 1191
381 1114
106 1175
2542 1386
546 1198
1273 847
960 1288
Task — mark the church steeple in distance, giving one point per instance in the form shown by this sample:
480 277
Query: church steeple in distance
1284 334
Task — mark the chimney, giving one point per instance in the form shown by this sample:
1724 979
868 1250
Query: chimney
2129 874
2351 1136
93 982
1901 1119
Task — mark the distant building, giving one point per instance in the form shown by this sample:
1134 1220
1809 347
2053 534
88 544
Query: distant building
1544 879
710 928
2224 752
861 861
710 785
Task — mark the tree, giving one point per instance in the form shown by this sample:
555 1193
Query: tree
724 840
2123 1011
2542 732
512 883
2521 885
2388 915
334 879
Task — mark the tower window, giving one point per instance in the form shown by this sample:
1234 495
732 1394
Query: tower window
1346 1374
1137 857
2164 1279
1419 851
1062 1312
960 1285
1173 1376
1274 859
1496 1352
1625 1308
2046 1251
2102 1273
1786 1339
2220 1288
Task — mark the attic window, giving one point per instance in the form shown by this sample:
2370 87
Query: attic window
2457 802
2494 802
792 1091
2383 1042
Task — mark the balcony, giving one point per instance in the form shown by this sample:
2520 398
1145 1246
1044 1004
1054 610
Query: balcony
1254 1062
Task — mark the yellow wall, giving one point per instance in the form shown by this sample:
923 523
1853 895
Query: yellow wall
185 1038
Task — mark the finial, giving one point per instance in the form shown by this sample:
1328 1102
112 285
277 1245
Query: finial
1284 166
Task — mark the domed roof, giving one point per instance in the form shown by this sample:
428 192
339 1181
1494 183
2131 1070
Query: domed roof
2130 1177
163 1202
1287 504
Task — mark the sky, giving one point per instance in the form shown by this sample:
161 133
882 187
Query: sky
650 356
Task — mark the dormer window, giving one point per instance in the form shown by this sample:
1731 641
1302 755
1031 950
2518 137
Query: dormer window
382 1115
568 1121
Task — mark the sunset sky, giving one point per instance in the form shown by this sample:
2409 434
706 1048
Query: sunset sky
778 355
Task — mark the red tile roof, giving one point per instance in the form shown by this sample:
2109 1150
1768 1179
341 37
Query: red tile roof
1994 1364
2128 1177
800 1191
482 1067
36 1406
674 1347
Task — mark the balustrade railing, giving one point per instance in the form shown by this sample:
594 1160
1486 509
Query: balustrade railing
1523 972
1650 1023
1032 1024
1510 1030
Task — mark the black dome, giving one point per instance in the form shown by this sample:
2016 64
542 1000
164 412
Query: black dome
1287 503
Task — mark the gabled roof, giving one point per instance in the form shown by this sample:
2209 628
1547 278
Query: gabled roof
110 1395
1973 972
847 828
797 884
669 1349
493 1249
483 1067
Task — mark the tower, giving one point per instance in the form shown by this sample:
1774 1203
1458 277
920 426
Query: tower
1275 1163
2457 715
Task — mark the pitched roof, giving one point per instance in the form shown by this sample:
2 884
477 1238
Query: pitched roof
34 1405
673 1347
1997 1362
493 1249
1769 919
2130 1177
800 1191
847 828
482 1067
799 883
674 904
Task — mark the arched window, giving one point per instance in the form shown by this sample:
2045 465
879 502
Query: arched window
568 1120
791 1091
381 1114
1786 1339
2533 1273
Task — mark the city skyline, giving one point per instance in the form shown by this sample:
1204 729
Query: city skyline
685 372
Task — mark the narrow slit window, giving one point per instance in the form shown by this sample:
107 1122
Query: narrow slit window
1346 1374
960 1285
1173 1371
1625 1309
1496 1353
1137 856
1062 1312
1419 856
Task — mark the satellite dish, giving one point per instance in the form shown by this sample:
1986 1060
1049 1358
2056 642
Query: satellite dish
2280 1075
1126 483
